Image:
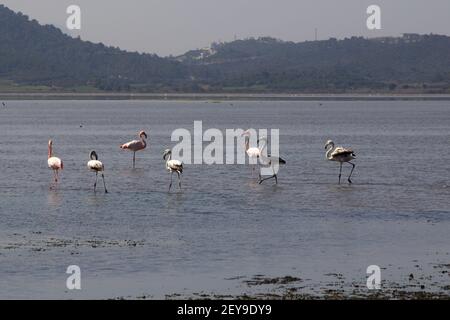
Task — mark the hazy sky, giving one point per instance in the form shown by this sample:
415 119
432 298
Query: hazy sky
175 26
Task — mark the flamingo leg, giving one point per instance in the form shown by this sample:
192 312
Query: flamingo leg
96 179
104 183
262 180
171 176
134 159
271 177
340 172
351 172
179 180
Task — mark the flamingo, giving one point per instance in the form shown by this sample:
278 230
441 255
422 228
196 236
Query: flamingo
341 155
96 166
253 153
268 160
173 166
54 163
136 145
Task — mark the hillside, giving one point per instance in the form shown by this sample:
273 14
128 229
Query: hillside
37 56
412 61
42 55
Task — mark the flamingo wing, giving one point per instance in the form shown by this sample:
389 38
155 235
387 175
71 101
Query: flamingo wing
175 165
253 152
277 159
95 165
134 145
55 163
339 152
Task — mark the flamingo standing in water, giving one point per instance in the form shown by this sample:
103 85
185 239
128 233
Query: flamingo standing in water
340 155
96 166
173 166
258 153
136 145
54 163
268 161
253 153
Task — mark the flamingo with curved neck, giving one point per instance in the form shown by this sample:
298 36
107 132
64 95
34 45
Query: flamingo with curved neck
173 166
341 155
136 145
268 160
96 166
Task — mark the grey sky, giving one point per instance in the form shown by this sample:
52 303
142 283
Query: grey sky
175 26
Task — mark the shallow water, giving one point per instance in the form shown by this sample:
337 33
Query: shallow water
140 239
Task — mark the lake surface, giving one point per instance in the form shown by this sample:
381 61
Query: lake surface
140 239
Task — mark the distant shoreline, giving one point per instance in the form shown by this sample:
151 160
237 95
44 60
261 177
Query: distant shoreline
223 97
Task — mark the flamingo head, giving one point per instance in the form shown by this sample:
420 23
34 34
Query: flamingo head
50 148
246 133
142 134
329 143
93 155
262 139
166 153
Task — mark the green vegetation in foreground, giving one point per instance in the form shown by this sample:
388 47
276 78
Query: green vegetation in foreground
8 86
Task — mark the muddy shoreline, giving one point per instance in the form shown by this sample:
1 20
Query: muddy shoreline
219 97
429 281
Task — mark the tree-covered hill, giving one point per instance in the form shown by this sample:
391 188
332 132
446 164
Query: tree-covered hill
384 63
34 54
42 55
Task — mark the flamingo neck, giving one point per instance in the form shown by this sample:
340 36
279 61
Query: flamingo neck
264 146
169 157
143 141
330 151
247 143
50 151
262 152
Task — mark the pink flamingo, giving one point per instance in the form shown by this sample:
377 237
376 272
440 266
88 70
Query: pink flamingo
54 163
254 152
136 145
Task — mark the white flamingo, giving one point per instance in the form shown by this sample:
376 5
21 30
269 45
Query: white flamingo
268 161
136 145
54 163
340 155
173 166
96 166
